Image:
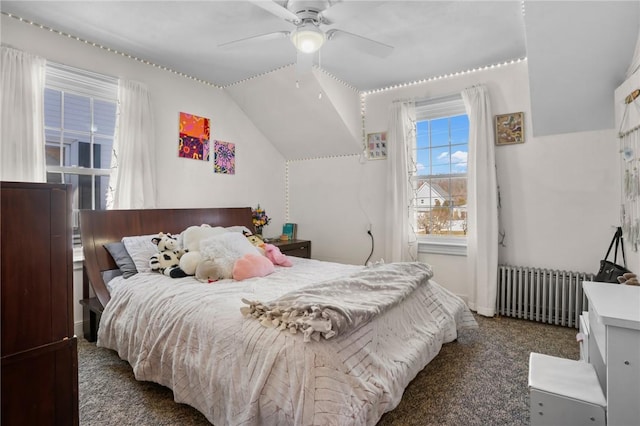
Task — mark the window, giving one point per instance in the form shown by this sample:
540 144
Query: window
79 121
440 179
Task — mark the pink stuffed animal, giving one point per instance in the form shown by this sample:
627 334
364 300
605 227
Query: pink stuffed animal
252 265
274 254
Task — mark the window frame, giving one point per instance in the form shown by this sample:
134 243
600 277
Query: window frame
431 109
67 80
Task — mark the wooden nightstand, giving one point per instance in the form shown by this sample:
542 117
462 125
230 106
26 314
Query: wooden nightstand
298 248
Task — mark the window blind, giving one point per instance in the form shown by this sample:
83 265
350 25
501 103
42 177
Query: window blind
430 109
81 82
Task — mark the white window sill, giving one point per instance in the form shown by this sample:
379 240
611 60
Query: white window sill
448 246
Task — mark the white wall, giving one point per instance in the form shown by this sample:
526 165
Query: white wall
627 117
77 295
559 193
332 201
181 182
560 200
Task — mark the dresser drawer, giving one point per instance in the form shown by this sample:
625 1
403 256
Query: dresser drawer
295 248
598 331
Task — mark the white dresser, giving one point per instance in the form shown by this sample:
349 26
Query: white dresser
613 329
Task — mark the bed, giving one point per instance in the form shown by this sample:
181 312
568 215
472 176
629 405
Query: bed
193 337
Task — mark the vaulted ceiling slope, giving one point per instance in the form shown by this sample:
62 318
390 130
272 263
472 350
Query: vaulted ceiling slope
318 117
577 54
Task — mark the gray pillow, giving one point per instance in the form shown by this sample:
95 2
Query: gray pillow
120 255
110 274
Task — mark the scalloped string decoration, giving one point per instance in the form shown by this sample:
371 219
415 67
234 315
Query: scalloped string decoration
630 188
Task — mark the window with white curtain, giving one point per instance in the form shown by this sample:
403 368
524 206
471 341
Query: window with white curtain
440 175
80 110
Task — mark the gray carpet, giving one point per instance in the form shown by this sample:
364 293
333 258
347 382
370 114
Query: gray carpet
480 379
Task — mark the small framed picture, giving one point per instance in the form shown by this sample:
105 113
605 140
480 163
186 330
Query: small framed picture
510 128
290 230
377 146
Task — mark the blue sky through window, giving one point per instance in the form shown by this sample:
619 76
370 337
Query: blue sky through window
442 145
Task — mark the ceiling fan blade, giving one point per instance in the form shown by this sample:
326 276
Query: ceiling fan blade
277 10
358 42
260 37
304 63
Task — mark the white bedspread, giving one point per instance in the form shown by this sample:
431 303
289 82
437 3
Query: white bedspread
192 338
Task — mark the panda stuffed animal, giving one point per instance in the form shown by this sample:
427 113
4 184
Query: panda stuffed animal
167 260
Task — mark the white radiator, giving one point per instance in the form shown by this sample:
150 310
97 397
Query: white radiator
542 295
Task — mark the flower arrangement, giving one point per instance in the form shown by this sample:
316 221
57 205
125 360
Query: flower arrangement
260 218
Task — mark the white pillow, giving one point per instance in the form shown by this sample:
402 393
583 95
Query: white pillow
193 235
141 248
238 228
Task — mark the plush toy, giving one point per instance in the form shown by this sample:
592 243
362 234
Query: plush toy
189 262
167 260
248 266
256 240
208 271
225 249
629 278
191 239
252 265
274 254
217 252
193 235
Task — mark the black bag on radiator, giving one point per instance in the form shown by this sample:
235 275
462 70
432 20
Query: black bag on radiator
610 271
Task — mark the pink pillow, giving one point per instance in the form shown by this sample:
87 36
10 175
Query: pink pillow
252 265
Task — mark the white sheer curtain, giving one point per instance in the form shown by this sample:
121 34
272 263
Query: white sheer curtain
401 243
132 180
22 117
482 203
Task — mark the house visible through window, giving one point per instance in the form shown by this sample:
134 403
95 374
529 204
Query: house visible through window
440 178
79 119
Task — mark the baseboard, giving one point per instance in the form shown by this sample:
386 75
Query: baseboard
78 328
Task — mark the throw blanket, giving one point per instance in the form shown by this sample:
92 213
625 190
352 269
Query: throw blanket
334 307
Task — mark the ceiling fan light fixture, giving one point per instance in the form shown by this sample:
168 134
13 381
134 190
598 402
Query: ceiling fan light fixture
308 38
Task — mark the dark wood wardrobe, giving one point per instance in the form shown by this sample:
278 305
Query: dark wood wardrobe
39 372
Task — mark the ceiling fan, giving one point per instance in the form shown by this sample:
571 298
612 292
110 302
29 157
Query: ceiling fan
308 19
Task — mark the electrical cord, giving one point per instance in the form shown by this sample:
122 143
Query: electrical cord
370 254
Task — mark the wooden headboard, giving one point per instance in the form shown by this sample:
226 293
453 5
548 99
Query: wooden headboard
98 227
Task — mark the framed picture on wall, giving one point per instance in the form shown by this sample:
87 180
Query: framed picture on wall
510 128
377 146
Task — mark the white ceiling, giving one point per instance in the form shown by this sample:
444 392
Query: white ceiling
430 38
577 54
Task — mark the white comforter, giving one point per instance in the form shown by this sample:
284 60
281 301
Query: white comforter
192 338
